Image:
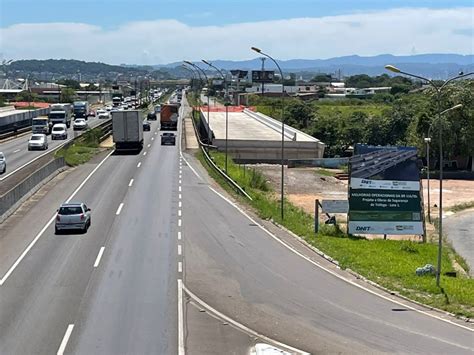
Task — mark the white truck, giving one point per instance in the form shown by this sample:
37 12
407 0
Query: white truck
127 130
61 113
41 124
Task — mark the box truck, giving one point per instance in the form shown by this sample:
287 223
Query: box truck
127 130
169 117
60 113
81 109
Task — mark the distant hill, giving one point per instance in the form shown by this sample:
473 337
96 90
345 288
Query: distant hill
432 65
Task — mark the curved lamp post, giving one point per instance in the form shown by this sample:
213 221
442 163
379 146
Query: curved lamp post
258 50
438 89
226 109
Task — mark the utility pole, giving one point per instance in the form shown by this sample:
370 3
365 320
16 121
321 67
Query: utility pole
262 77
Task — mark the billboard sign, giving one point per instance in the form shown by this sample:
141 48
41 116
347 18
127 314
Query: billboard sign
383 204
262 76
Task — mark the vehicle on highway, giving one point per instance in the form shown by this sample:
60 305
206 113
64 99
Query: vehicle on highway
41 124
103 114
151 116
79 124
157 109
73 215
168 138
38 141
125 106
146 126
108 108
127 130
59 131
81 109
116 101
3 163
61 113
169 117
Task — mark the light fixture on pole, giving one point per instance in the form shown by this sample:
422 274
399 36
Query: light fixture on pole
438 89
209 135
258 50
226 103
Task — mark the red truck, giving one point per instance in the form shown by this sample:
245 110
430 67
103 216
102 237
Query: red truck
169 117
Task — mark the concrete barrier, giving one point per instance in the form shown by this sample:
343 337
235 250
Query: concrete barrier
12 199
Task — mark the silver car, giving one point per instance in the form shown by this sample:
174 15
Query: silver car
38 141
3 163
73 215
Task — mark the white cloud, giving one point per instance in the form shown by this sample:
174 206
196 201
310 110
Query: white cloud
394 31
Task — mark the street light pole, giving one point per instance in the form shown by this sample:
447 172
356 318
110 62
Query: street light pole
428 141
209 136
438 90
282 192
226 103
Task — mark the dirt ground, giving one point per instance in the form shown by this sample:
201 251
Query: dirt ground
304 185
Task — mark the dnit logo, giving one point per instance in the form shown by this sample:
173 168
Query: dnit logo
363 228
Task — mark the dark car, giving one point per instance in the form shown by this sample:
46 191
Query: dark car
151 116
146 126
168 139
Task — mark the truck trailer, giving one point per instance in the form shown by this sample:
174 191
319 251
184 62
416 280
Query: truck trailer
81 109
60 113
169 117
127 130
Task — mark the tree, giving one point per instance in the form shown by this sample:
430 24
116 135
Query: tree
297 114
70 83
67 95
26 96
322 78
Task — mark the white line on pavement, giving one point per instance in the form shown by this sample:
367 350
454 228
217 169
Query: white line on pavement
16 151
179 188
180 318
241 326
149 145
180 204
130 183
179 213
139 164
179 182
63 345
179 222
179 196
152 138
180 266
180 249
144 153
179 235
38 236
329 270
97 260
119 209
180 176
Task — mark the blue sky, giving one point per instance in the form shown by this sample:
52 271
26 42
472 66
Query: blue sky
112 13
164 31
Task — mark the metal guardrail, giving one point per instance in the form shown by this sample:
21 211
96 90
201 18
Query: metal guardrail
209 160
13 134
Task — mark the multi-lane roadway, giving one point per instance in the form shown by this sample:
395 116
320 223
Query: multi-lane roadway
170 264
17 153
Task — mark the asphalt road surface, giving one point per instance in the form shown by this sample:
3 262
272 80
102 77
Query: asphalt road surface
17 153
459 229
157 219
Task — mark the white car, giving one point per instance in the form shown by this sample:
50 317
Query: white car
79 124
38 141
103 115
3 163
108 108
59 131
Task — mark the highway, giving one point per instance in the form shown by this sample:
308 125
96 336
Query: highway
167 248
17 153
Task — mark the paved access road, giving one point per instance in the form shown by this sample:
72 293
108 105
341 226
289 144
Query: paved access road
17 153
459 229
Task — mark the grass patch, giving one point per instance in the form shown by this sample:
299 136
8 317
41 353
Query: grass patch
83 149
462 206
325 172
390 263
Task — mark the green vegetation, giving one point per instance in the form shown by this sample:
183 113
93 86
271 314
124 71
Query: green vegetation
83 148
325 172
462 206
390 263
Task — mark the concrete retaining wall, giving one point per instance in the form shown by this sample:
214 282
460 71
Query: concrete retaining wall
333 163
23 190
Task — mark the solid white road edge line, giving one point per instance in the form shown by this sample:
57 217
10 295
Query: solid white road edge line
332 272
130 183
99 256
181 152
119 209
180 319
241 326
63 345
33 242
